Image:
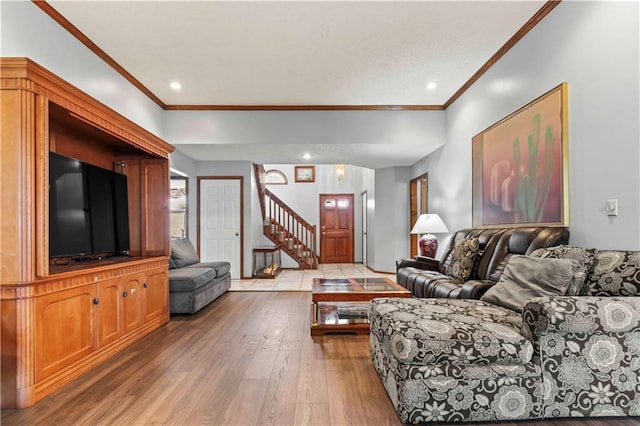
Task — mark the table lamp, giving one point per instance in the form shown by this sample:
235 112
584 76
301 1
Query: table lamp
429 224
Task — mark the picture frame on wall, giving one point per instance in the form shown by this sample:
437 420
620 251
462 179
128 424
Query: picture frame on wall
520 166
305 173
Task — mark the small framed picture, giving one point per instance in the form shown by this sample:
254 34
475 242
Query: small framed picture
305 173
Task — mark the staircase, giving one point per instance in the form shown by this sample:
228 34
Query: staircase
284 227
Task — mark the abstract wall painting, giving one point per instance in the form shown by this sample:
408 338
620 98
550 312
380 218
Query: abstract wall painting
519 166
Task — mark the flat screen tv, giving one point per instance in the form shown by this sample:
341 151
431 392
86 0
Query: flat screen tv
88 209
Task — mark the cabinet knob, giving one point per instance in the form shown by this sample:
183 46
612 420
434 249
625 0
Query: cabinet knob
144 285
96 301
125 294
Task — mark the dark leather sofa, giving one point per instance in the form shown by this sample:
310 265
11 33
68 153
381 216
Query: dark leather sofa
425 277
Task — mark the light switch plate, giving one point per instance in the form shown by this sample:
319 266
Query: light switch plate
612 207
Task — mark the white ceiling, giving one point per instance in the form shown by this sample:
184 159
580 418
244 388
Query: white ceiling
299 52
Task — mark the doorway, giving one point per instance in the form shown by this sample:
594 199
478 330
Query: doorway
336 228
178 207
364 228
418 195
220 221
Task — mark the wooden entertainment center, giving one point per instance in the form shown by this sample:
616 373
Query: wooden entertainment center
61 320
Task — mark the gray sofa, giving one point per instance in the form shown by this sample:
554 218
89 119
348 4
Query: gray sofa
194 284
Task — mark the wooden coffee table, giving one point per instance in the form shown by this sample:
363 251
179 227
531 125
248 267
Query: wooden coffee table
339 305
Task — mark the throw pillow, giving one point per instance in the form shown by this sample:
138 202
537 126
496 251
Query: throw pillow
525 278
459 264
615 273
172 264
183 253
584 260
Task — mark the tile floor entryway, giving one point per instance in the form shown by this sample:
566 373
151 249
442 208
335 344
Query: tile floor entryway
301 280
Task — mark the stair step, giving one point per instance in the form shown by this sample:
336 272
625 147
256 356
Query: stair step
280 233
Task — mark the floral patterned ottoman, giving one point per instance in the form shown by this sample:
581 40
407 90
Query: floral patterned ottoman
454 360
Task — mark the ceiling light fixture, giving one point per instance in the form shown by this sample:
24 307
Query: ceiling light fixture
340 172
175 85
431 85
306 156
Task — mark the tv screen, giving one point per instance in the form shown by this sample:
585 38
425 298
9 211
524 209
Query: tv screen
69 222
88 209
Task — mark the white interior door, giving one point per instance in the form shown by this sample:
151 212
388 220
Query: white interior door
364 228
220 222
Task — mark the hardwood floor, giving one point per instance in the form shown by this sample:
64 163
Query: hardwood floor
246 359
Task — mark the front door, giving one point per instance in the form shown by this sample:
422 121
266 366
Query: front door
220 221
336 228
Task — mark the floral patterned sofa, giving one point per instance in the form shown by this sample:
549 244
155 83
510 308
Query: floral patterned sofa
574 352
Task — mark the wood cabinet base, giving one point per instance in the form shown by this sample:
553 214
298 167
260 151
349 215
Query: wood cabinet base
58 380
52 329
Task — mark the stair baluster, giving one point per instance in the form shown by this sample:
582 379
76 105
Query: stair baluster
284 227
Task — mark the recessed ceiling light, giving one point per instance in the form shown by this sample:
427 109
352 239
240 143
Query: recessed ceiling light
431 85
175 85
306 156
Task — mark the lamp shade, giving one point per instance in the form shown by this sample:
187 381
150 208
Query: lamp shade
429 224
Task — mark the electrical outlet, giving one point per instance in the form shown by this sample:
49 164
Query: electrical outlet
612 207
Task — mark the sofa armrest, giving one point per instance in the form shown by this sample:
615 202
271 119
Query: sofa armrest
474 289
580 315
426 259
420 262
585 345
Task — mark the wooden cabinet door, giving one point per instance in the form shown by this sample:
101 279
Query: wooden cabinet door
154 207
120 307
65 328
110 311
132 297
156 296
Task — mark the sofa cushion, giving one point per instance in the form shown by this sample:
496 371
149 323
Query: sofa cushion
460 261
614 273
183 253
189 279
584 260
172 264
459 332
220 267
423 283
525 278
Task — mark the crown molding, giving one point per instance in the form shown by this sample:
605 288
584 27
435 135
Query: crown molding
74 31
304 107
528 26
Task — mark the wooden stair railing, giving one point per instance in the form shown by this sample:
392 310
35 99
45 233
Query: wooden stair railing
284 227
